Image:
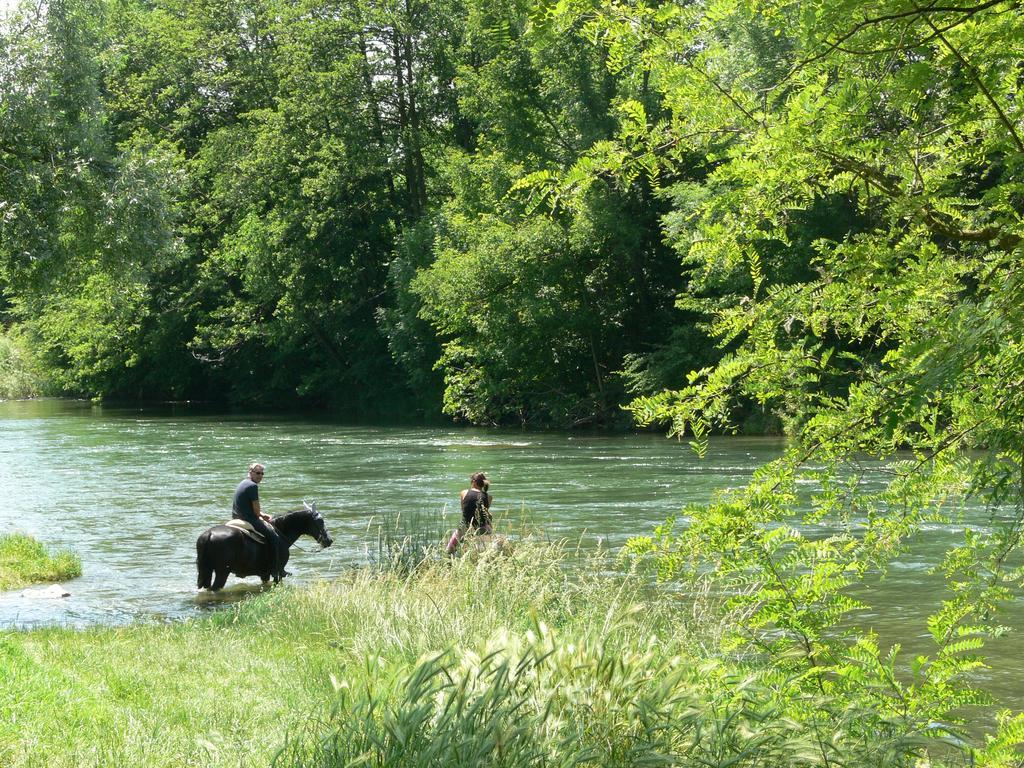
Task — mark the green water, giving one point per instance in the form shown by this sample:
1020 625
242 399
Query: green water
130 490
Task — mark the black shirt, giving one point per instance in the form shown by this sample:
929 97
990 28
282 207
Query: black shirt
245 494
476 508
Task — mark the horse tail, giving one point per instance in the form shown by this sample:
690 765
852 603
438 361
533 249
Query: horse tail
205 579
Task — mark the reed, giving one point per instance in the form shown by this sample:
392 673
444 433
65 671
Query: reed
541 700
595 696
528 658
414 538
234 687
408 540
24 561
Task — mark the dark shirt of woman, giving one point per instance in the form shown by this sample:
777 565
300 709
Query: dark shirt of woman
476 509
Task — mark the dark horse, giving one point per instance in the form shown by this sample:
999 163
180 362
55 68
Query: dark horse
224 549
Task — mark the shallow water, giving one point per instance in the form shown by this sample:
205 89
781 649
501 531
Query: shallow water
129 490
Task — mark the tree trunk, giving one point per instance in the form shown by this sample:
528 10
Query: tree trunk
378 123
412 197
419 185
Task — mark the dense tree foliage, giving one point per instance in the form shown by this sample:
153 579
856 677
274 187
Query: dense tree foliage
735 215
319 203
855 250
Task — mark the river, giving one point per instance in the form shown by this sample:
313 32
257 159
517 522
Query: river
129 490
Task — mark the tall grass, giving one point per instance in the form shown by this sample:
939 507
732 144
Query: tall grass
414 538
600 695
596 671
498 660
232 688
407 540
24 560
549 700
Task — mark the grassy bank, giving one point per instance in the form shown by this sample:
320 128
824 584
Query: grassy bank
231 688
513 660
23 561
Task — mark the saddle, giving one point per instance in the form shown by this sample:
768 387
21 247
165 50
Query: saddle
248 530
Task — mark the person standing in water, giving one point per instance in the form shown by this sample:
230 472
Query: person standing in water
246 506
476 510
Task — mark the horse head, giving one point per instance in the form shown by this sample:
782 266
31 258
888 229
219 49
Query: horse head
317 527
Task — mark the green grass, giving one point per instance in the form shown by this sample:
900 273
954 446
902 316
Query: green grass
533 658
233 688
24 560
408 540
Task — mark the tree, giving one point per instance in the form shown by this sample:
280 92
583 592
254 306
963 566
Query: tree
536 314
901 343
85 228
305 217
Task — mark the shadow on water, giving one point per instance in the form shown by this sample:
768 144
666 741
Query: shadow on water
234 593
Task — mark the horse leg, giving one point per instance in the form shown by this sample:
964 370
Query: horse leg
203 561
221 580
205 572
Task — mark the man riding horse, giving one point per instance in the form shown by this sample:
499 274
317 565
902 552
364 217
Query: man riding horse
226 549
246 506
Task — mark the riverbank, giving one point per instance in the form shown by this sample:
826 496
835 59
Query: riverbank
232 688
25 561
533 658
